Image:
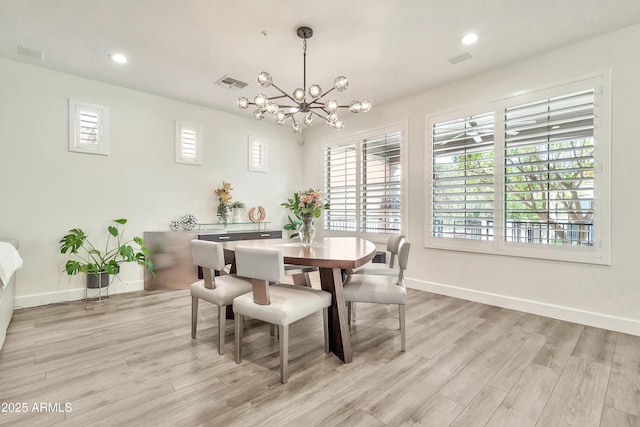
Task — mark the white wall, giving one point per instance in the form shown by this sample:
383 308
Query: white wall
605 296
46 190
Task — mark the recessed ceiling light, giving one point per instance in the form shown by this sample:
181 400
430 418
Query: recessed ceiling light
119 58
469 39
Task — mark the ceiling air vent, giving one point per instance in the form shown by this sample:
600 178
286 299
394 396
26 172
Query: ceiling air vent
230 82
31 53
460 58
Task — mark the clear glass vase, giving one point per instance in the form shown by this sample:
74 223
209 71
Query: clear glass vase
306 230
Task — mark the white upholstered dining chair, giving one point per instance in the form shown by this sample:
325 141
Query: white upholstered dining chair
277 304
393 246
218 290
381 289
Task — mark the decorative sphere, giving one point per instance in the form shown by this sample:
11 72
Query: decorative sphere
341 83
332 117
264 79
315 91
338 124
331 105
259 114
296 128
366 105
308 119
355 107
260 100
280 116
298 95
243 102
272 107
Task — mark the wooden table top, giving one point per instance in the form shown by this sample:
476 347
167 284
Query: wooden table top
327 252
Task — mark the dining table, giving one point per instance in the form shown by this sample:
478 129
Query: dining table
332 256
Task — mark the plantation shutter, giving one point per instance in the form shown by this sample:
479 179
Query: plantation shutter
89 125
463 177
549 171
380 179
188 144
340 187
257 155
88 128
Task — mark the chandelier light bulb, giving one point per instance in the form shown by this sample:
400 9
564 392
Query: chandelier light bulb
296 128
280 116
366 105
298 94
243 102
355 107
315 91
341 83
332 117
331 105
272 107
264 79
338 124
260 100
259 114
308 119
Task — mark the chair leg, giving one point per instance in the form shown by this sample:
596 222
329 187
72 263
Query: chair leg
325 319
194 316
403 326
222 315
239 326
349 313
272 329
353 311
283 331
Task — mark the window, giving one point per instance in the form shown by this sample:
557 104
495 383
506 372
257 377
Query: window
463 177
88 128
363 183
188 144
257 154
524 176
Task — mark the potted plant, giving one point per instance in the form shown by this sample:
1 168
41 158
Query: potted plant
99 264
238 209
224 202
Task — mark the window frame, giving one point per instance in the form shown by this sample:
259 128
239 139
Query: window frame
599 253
253 142
196 160
357 139
76 143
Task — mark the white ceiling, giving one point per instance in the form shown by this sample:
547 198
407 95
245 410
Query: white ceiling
387 48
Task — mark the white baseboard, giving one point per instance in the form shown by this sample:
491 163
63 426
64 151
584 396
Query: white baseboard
34 300
569 314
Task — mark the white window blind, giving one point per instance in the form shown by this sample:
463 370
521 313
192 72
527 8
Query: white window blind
88 128
188 144
363 183
257 154
537 187
380 175
340 187
463 177
549 171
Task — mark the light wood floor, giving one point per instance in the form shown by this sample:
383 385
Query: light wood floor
130 360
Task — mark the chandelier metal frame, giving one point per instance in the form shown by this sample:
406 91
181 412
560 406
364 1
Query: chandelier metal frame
309 102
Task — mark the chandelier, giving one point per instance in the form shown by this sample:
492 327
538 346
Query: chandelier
308 104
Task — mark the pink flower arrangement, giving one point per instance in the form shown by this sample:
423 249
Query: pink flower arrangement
307 202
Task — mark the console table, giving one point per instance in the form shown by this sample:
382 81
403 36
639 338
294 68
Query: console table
170 251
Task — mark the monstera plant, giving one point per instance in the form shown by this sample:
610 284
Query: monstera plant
98 264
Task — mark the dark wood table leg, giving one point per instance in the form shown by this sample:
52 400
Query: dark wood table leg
339 337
